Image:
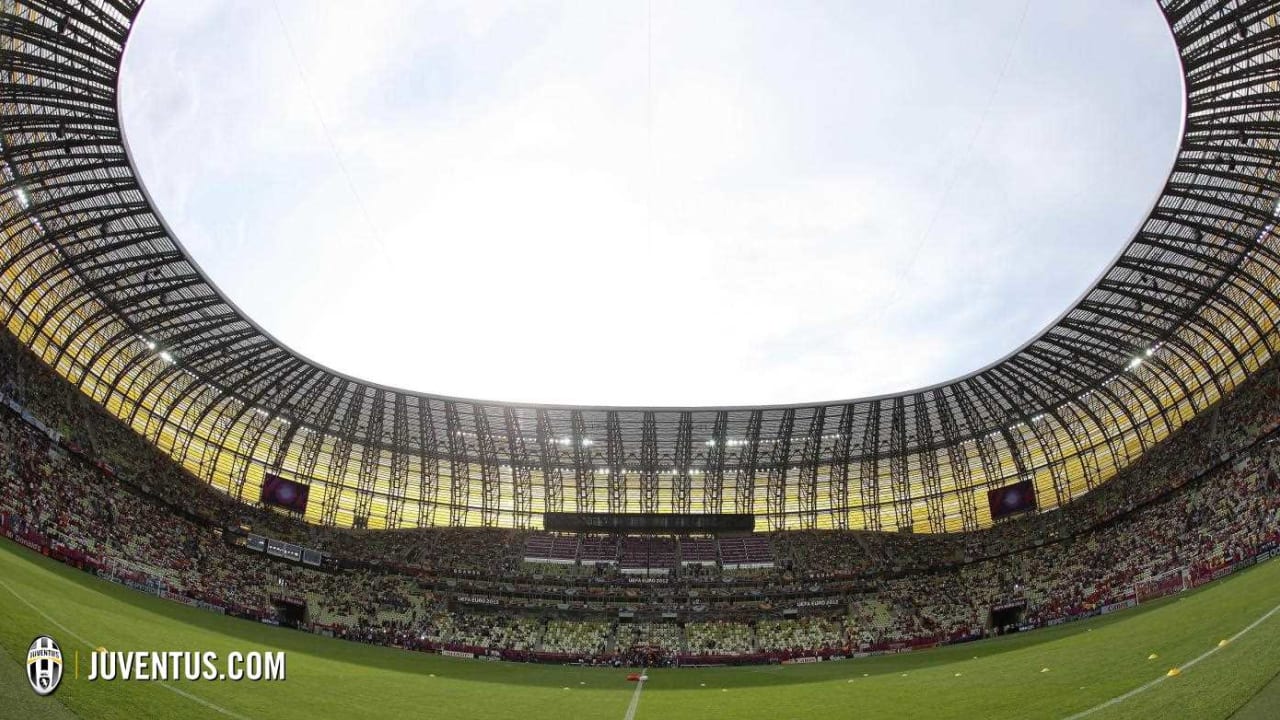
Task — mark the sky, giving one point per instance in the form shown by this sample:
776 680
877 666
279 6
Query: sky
652 203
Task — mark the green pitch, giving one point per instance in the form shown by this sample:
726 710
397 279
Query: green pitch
1088 663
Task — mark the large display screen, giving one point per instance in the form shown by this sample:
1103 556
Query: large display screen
281 549
1011 499
285 493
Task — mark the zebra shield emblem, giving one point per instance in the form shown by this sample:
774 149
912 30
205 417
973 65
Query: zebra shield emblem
44 665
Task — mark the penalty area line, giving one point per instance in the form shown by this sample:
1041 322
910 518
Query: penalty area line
1190 663
165 685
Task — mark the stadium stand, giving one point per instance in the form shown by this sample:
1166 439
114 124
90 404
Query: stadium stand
699 551
598 549
77 485
657 554
545 547
746 552
719 637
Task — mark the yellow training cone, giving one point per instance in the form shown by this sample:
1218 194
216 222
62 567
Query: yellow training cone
1223 643
1044 670
1152 656
1174 672
101 650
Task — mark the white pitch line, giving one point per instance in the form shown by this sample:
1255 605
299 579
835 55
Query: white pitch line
635 700
166 686
1143 688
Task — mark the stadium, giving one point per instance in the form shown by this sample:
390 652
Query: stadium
1084 528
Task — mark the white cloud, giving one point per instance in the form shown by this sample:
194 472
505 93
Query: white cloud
524 244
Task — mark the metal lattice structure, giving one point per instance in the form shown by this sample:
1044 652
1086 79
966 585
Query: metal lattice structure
96 285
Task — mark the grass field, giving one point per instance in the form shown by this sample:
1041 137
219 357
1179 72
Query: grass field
1089 663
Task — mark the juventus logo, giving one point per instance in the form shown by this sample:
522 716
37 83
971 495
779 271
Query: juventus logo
44 665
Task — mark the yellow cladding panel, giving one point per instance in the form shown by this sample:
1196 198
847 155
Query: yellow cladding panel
1071 449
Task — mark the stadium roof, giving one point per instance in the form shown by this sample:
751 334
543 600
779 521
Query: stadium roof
96 284
740 226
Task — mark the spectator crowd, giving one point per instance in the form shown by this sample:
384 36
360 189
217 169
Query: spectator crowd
80 486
